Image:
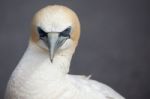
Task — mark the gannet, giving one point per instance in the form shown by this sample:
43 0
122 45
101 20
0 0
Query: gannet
42 73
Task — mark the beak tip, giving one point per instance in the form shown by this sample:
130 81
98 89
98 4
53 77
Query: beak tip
51 59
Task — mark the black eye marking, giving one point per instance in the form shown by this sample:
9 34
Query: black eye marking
65 33
42 33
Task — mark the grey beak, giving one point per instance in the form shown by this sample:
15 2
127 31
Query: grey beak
52 44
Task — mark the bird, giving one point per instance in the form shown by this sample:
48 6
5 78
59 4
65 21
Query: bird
42 72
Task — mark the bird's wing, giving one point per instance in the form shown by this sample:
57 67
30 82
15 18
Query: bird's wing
83 82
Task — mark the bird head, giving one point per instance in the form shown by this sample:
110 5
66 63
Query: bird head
55 28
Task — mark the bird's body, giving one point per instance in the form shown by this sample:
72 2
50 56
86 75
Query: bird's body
36 77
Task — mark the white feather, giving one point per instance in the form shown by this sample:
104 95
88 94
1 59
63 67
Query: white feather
36 78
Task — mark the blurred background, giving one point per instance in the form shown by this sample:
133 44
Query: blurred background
114 46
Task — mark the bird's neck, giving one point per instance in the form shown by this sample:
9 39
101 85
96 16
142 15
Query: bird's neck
35 73
36 62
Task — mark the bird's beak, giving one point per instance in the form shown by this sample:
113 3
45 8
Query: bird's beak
52 44
54 41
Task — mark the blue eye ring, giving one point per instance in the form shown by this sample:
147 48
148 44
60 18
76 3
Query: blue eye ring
41 32
66 32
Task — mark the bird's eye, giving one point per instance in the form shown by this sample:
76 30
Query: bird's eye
42 33
66 32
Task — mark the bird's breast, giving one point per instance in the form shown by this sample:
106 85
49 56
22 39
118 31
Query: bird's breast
38 86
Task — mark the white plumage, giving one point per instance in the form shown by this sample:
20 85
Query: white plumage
40 76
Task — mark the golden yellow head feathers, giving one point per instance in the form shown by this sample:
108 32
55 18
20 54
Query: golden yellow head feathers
56 18
57 27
